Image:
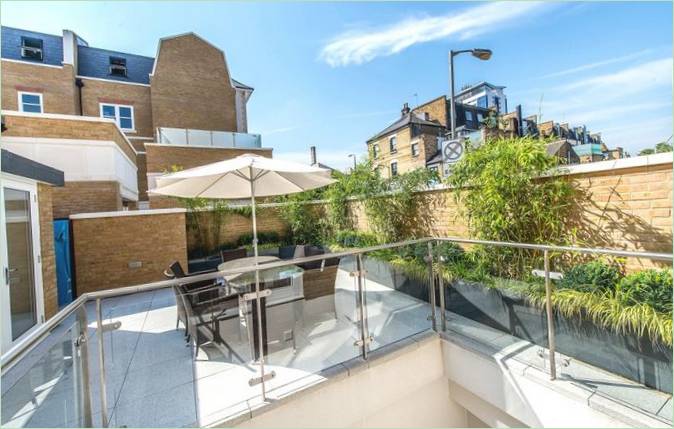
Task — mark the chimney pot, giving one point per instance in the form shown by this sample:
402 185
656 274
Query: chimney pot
406 109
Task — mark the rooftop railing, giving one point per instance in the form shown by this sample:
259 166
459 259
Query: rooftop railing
89 364
207 138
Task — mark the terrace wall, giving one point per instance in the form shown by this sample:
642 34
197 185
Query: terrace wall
625 204
48 256
118 249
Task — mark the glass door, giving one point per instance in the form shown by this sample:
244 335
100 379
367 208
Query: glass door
21 270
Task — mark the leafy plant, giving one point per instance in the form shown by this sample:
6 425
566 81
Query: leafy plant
354 239
651 287
306 223
592 276
505 195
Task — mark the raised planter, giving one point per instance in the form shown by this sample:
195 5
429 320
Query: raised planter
631 356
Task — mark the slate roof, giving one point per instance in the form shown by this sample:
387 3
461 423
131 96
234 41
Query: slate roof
95 62
405 120
52 46
92 62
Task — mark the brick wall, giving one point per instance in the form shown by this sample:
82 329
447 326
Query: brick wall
160 158
26 125
105 246
50 293
57 85
406 161
436 109
191 77
86 197
141 163
95 92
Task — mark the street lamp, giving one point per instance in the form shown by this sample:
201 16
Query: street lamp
481 54
352 155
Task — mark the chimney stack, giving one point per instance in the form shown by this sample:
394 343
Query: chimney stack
312 149
406 109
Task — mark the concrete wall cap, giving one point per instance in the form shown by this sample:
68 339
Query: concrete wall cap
127 213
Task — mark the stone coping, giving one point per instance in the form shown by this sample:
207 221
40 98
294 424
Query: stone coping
123 213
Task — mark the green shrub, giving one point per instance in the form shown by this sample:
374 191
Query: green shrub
263 237
594 276
651 287
354 239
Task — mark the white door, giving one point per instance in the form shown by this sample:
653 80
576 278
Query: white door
21 295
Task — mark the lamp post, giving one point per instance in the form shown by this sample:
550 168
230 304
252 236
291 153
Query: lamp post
482 54
352 155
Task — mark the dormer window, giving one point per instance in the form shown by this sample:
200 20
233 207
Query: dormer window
31 48
118 66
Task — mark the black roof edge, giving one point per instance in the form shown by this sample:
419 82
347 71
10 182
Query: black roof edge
18 165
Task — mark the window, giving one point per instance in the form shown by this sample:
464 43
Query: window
394 168
31 48
483 102
497 104
118 66
123 115
469 116
415 149
480 118
393 144
30 102
375 150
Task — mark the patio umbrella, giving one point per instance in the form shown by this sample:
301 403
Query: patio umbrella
246 176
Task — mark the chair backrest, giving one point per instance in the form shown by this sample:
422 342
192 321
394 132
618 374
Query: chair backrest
230 255
313 251
177 270
291 252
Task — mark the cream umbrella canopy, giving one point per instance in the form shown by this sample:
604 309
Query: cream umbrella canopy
246 176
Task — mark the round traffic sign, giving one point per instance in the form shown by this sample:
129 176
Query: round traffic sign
452 151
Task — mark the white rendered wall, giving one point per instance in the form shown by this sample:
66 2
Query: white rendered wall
408 390
80 160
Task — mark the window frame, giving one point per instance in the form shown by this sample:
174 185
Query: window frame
412 147
20 95
117 116
394 162
111 60
23 46
375 150
393 148
469 115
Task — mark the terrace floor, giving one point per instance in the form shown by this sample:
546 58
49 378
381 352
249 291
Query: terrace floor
153 380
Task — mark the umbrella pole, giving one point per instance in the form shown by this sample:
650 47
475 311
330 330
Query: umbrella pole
257 284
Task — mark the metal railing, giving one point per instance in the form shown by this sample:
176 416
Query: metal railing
22 347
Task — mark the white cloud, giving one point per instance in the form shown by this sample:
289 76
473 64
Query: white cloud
634 79
363 46
597 64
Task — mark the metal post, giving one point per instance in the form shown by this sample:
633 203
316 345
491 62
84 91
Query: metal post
431 284
257 289
362 303
550 319
101 364
451 100
83 345
443 310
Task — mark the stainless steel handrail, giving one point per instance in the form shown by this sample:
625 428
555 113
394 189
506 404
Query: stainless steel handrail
552 248
23 346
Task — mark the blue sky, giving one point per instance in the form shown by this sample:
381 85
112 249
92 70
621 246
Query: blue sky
333 74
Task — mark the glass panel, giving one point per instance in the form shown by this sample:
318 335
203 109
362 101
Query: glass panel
109 112
46 388
396 293
20 261
126 123
493 297
32 108
125 112
613 335
30 98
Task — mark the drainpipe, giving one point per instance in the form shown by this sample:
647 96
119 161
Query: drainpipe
80 84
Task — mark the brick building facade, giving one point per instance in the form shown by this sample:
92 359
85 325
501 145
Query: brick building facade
184 100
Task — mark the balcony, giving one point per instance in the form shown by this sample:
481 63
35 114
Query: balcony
222 139
350 338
